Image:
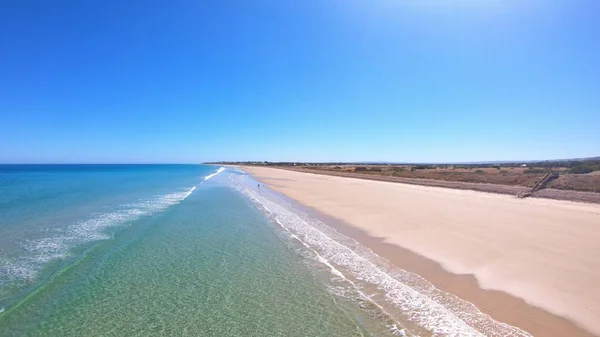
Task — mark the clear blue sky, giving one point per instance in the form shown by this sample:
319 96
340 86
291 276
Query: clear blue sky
322 80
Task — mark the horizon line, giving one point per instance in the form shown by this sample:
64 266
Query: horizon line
364 162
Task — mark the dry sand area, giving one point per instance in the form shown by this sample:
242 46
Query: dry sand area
545 252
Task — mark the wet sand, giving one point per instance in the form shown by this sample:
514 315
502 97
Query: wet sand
531 263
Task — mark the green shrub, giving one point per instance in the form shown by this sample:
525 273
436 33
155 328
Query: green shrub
360 169
582 169
421 167
480 172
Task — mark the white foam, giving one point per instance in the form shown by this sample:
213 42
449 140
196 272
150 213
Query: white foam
319 257
221 169
42 251
397 331
190 192
419 301
13 270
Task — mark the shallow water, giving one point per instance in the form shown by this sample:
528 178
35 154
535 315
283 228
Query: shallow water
135 255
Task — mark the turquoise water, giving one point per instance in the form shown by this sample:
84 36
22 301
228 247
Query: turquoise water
155 251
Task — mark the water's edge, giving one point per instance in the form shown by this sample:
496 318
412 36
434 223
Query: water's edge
414 304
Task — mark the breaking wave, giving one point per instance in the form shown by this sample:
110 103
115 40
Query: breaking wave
60 241
221 169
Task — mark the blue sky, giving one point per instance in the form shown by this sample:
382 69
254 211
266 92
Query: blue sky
335 80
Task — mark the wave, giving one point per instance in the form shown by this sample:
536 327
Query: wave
412 299
58 243
221 169
189 192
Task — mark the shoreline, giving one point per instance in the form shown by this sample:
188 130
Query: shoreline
466 287
500 305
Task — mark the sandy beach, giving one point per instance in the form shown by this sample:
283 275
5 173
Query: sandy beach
531 263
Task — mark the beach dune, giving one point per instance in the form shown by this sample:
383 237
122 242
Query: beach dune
545 252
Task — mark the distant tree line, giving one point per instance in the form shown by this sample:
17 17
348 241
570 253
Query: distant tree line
573 166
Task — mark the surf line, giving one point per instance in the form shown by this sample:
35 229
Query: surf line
393 287
221 169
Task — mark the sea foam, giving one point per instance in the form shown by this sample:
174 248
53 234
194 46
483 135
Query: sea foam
58 245
221 169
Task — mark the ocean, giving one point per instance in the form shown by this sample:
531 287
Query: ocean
196 250
156 250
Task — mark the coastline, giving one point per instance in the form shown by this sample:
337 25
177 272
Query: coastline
504 306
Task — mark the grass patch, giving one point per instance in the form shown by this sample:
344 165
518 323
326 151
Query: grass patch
583 169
